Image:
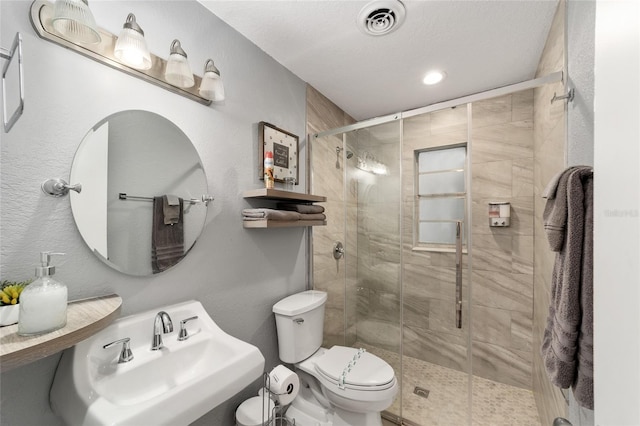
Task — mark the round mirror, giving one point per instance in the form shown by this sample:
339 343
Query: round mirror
143 199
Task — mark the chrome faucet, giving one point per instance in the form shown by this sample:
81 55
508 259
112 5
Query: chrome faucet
161 322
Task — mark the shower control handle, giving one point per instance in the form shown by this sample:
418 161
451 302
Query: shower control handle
338 250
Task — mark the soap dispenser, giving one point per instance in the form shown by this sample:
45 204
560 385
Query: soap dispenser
43 303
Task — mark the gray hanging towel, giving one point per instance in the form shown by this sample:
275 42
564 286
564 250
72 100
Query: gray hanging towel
567 344
167 240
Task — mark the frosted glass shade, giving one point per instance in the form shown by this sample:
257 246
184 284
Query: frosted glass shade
211 87
178 71
131 49
73 19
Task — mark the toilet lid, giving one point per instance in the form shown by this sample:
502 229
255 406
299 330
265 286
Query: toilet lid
367 370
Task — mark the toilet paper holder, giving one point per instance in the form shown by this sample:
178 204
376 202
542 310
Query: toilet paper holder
276 417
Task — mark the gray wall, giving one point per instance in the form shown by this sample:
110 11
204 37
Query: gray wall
237 274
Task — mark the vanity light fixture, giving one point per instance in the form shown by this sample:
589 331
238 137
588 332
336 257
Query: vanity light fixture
73 19
178 71
131 47
433 77
211 86
152 69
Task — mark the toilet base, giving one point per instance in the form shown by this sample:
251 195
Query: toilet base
308 410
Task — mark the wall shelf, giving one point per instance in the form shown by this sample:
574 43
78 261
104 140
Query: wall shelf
84 318
283 196
279 195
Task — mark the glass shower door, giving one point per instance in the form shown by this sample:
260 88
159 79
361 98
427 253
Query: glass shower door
359 171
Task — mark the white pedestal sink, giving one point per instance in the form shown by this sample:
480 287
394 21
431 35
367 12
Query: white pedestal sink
172 386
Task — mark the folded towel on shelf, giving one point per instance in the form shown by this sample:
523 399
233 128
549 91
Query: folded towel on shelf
301 208
171 209
271 214
167 240
312 216
567 344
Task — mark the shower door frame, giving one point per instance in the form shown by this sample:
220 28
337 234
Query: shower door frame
468 100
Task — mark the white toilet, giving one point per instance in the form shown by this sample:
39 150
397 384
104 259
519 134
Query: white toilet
340 386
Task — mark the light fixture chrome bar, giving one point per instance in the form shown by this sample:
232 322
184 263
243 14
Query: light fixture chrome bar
41 14
16 46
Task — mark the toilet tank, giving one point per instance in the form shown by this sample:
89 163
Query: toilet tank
299 323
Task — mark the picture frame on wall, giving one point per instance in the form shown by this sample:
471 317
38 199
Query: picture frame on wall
284 146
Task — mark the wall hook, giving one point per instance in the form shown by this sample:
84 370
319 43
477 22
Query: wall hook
59 187
569 96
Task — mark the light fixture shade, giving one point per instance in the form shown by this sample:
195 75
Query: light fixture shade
178 71
74 20
211 86
131 47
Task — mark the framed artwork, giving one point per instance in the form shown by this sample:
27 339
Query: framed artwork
284 146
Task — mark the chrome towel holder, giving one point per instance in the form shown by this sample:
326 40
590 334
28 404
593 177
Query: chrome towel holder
16 46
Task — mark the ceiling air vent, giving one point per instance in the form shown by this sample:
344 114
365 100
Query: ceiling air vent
381 17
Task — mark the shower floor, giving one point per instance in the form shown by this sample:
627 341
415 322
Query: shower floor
494 404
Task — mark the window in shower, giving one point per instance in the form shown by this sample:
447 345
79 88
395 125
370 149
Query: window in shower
440 195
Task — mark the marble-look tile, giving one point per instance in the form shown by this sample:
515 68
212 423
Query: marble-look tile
501 364
522 177
334 324
522 105
492 253
492 179
416 311
382 334
437 348
522 330
487 150
513 292
491 325
522 254
449 120
385 307
491 111
433 282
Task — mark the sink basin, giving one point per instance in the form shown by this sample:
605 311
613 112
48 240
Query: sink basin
172 386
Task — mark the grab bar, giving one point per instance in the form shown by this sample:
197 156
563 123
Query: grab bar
458 274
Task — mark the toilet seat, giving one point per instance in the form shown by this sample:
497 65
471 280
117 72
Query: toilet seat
356 369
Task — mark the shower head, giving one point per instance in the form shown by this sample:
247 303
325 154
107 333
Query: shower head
338 151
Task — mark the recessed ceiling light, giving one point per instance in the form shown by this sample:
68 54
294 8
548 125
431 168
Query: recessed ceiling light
433 77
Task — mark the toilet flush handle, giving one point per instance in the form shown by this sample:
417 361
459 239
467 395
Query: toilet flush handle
298 321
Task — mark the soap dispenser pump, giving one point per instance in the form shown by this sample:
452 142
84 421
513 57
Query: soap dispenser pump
43 303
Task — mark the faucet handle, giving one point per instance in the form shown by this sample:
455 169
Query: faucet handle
183 335
125 354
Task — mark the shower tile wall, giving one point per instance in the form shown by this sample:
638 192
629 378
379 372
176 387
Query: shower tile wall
429 277
502 258
328 274
549 150
502 169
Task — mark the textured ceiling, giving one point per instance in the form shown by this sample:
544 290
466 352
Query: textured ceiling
480 44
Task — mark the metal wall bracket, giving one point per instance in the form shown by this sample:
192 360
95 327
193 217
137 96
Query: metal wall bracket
9 55
569 96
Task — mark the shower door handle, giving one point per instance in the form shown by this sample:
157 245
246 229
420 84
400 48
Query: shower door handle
458 274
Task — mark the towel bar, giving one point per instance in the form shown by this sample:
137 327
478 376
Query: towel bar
9 55
206 199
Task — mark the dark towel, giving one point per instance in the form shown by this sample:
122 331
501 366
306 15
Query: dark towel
567 344
167 241
271 214
301 208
